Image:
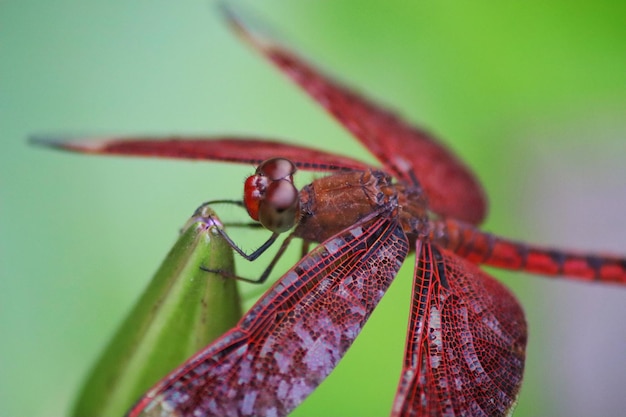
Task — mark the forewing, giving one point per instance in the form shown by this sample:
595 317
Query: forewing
450 186
466 342
293 337
228 149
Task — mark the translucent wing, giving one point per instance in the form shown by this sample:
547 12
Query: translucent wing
403 149
230 149
293 337
466 342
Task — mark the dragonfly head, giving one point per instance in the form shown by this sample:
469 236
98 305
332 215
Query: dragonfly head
270 196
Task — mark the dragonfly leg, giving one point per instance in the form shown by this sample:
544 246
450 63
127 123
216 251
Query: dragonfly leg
250 257
200 212
266 273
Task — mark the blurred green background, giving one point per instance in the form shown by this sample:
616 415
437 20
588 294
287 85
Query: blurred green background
531 94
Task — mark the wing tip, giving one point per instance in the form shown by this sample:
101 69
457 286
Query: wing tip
68 144
248 27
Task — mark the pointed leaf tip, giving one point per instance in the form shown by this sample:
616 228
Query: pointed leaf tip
181 311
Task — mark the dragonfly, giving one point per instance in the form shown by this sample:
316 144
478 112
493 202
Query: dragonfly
467 334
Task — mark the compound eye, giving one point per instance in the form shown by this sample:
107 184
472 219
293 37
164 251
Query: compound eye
277 169
253 193
270 196
279 211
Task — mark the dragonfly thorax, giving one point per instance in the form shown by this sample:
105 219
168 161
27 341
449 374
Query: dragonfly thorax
331 204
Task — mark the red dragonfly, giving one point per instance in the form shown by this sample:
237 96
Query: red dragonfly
465 347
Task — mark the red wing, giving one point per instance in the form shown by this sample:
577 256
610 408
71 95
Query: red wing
294 336
450 186
239 150
466 342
